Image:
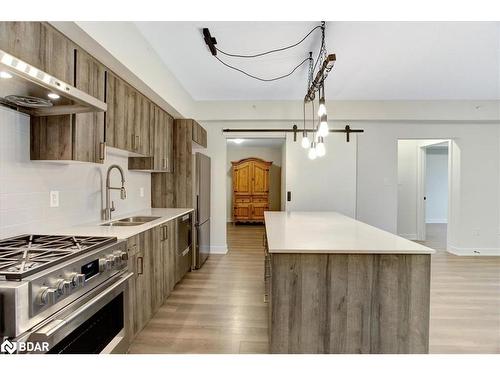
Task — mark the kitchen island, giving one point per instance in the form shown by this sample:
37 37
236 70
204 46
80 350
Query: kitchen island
337 285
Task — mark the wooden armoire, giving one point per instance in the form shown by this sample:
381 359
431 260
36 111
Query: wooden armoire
250 190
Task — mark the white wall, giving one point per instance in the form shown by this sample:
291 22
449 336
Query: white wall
407 188
238 152
436 205
25 185
475 220
323 184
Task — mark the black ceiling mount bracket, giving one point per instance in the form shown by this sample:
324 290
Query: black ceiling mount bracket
347 130
210 41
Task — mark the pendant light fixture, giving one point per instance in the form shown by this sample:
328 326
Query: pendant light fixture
305 140
320 147
312 154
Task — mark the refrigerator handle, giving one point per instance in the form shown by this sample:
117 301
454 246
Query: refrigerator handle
197 209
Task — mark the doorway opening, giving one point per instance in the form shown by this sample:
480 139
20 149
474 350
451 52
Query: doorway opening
254 174
424 187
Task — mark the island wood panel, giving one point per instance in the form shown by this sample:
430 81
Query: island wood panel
349 303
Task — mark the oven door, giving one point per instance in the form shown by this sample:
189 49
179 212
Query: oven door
94 325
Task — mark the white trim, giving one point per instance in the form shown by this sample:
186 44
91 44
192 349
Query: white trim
437 221
411 237
218 249
462 251
421 176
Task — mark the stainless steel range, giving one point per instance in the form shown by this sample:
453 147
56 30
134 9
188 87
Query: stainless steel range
68 292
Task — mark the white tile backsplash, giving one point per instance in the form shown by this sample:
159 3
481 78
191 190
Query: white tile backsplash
25 185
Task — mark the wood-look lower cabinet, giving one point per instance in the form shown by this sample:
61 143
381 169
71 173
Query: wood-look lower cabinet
169 246
152 259
250 189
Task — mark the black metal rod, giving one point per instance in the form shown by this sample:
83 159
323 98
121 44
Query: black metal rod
288 130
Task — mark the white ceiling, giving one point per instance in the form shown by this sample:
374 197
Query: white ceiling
258 142
375 60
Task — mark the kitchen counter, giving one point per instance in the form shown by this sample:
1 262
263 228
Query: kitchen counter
331 232
96 229
337 285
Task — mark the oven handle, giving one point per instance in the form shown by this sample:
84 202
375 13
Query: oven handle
47 332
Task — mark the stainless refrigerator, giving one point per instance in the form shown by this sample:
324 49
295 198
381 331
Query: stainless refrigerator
202 205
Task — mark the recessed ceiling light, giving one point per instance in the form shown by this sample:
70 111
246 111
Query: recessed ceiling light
237 140
5 75
53 96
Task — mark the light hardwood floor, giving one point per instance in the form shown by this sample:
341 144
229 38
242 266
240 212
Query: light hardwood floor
465 299
219 309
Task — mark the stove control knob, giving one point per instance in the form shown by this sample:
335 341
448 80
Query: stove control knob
124 255
63 287
104 265
47 296
117 259
110 261
77 280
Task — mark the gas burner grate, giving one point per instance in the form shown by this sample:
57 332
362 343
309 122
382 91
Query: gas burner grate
24 255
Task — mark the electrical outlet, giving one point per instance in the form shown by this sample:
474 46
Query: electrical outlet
476 232
54 199
141 192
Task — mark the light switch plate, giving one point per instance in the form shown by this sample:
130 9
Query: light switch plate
141 192
54 198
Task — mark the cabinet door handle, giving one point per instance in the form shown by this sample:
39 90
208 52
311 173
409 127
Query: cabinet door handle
166 232
140 265
164 163
137 142
102 151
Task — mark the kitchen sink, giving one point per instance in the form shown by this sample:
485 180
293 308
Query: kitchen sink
120 224
139 219
131 221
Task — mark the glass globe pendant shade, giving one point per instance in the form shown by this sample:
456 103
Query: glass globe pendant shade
320 148
312 151
305 141
322 107
323 129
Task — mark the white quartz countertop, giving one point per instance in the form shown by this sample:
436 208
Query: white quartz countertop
95 228
331 232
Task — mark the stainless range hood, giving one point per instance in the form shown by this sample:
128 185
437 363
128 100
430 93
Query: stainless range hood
32 91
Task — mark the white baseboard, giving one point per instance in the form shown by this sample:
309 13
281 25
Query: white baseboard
436 221
411 237
462 251
218 249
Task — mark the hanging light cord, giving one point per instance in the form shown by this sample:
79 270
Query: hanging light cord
310 59
260 78
273 50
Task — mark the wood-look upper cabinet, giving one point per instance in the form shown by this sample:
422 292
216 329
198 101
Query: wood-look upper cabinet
40 45
199 134
77 137
160 144
127 117
90 76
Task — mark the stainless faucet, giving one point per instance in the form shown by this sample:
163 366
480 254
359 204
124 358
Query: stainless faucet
123 192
